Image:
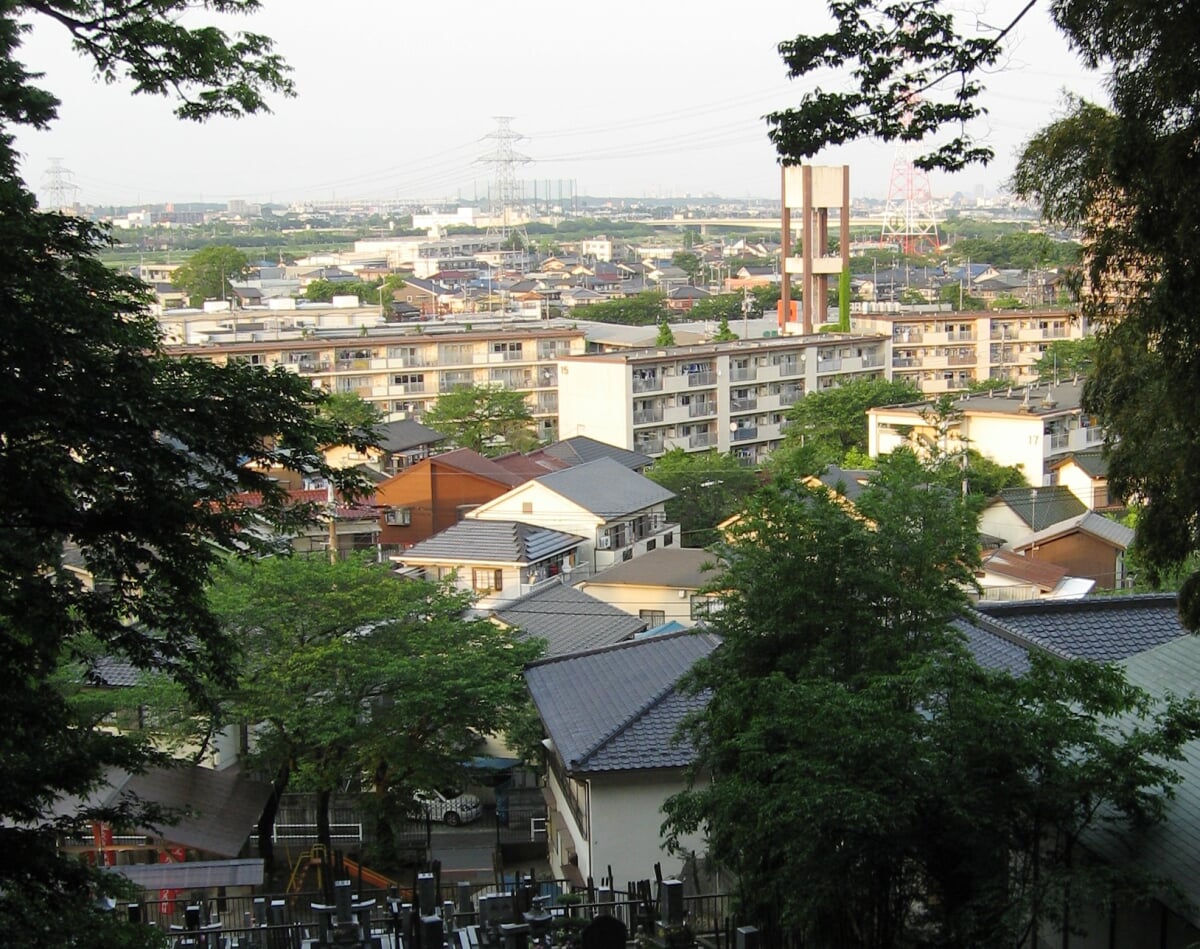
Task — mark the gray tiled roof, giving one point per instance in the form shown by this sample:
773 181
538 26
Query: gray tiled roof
1041 507
1092 463
992 650
667 567
617 708
848 482
1099 526
1170 849
580 449
403 434
1100 628
569 620
480 541
605 488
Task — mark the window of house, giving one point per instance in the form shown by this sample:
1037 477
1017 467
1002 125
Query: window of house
399 517
526 507
487 581
653 617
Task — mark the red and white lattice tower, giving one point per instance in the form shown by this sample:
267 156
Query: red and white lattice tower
908 216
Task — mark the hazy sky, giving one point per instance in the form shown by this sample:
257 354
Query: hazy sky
396 100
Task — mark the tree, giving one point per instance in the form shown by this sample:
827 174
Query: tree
724 334
1067 357
833 421
207 273
349 675
689 263
1124 176
113 453
641 309
665 336
351 411
708 486
866 783
957 297
489 420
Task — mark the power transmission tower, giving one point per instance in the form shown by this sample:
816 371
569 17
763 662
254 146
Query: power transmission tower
908 217
506 201
58 187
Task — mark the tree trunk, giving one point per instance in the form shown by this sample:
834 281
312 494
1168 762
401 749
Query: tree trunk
266 823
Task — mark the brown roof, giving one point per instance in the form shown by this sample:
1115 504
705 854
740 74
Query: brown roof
471 462
1008 563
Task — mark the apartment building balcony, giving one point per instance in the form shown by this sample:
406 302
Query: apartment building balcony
702 440
790 396
962 359
743 374
1093 434
647 384
652 445
790 367
903 335
906 362
743 405
547 404
1058 441
747 434
648 416
702 409
706 378
310 367
829 364
343 365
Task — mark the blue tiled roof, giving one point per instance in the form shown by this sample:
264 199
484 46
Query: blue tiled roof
617 708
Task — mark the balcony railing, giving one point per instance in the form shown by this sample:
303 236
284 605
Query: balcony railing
652 384
647 416
702 440
700 409
790 367
743 374
832 364
1058 440
706 378
742 405
790 396
745 434
648 446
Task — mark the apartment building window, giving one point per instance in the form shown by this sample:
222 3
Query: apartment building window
487 581
653 617
415 381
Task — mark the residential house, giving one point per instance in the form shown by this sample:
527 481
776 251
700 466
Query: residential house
1088 545
681 299
435 493
402 443
1143 636
579 449
567 620
661 586
611 717
1015 512
619 512
350 525
1085 473
1006 575
497 561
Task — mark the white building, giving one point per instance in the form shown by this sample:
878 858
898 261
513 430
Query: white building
726 396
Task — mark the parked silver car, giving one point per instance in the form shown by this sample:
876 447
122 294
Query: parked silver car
451 807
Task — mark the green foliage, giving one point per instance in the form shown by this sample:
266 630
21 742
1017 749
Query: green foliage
724 334
720 306
207 273
345 671
688 262
486 419
1016 250
865 783
832 421
114 455
708 486
642 309
1067 357
955 294
352 412
322 291
665 335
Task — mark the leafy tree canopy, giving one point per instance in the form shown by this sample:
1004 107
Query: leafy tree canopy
1123 175
708 486
642 309
832 421
115 457
489 420
207 273
666 336
864 781
345 671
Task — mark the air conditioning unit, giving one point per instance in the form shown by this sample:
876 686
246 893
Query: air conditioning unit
604 542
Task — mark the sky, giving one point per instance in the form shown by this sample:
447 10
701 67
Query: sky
396 100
